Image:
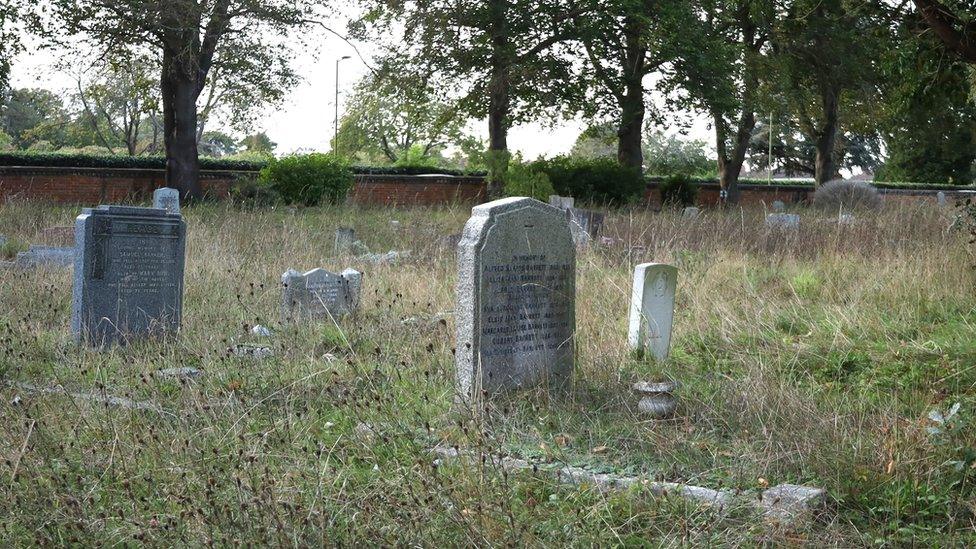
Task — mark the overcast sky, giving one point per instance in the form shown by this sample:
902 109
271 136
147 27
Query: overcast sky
305 121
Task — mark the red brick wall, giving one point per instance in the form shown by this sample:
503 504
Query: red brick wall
93 186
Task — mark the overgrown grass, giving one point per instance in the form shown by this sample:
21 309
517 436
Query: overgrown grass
811 357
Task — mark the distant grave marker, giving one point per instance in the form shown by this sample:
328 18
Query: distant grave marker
319 294
167 199
652 309
516 297
128 279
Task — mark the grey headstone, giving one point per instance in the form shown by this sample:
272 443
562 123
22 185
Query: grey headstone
46 256
516 297
783 221
586 225
561 202
128 279
652 309
167 199
319 294
792 504
690 212
344 240
940 197
779 206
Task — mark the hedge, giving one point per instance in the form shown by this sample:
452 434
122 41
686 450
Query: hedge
895 185
56 160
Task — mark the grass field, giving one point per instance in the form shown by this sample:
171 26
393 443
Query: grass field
814 357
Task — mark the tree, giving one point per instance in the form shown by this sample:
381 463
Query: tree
794 153
670 155
259 143
502 52
10 44
625 41
119 100
33 115
596 141
395 111
187 35
953 24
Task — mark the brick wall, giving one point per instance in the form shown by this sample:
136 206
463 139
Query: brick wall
93 186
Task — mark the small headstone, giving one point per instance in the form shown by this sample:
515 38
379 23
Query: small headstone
941 198
690 212
45 256
167 199
792 504
652 309
319 294
845 219
261 331
586 225
395 225
344 240
562 202
783 221
128 278
516 297
256 352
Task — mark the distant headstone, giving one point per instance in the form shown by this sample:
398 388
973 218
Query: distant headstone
941 198
128 278
779 206
586 225
845 219
319 294
45 256
561 202
516 297
690 212
167 199
344 240
652 309
783 221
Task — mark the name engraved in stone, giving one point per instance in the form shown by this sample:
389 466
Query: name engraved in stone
148 268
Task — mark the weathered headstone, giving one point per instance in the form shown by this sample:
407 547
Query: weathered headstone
516 297
128 279
561 202
344 239
45 256
319 294
652 309
783 221
940 197
779 206
690 212
167 199
586 225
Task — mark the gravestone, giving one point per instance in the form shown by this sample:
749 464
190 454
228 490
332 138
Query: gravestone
690 212
783 221
128 279
167 199
45 256
516 297
561 202
779 206
344 240
652 309
586 225
319 294
940 197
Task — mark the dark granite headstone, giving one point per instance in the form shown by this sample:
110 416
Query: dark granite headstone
128 274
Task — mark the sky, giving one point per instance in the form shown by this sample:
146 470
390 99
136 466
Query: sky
305 122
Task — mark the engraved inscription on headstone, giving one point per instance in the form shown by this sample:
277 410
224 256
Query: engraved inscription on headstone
652 309
516 297
344 239
128 279
167 199
319 294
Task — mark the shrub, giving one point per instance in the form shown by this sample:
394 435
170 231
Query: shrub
600 180
678 191
250 192
309 179
521 180
846 195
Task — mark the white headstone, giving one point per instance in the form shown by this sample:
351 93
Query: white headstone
941 198
516 297
652 309
167 199
319 294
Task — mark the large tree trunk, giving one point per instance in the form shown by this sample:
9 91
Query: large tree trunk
825 164
179 87
629 131
498 99
730 164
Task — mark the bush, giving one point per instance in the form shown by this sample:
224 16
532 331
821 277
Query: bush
846 195
678 191
309 179
521 180
600 180
249 192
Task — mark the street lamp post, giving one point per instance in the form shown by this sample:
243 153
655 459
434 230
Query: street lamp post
335 135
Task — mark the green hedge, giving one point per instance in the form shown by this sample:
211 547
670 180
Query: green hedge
600 180
907 185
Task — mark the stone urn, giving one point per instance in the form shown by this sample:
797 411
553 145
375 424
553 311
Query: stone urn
657 399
